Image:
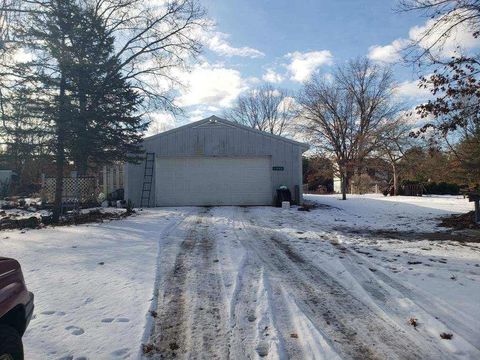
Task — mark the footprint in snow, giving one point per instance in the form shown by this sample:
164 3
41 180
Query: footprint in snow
263 349
121 352
75 330
52 312
121 319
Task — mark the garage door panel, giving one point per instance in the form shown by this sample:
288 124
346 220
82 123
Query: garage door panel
183 181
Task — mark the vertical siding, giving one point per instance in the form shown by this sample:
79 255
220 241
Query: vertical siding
220 140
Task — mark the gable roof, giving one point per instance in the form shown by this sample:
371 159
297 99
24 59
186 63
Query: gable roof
217 120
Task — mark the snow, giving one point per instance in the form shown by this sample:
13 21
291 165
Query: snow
340 281
375 211
83 308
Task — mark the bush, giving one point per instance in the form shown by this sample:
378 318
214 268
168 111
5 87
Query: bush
442 188
129 207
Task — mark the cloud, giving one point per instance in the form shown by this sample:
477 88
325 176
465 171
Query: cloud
409 90
272 76
426 36
211 85
160 122
389 53
218 43
459 36
22 56
303 65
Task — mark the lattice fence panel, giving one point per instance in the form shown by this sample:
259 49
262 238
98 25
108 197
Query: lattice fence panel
82 189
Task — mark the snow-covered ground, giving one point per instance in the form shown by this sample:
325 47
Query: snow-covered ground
230 282
406 213
93 284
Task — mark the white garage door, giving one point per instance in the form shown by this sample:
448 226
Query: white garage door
203 181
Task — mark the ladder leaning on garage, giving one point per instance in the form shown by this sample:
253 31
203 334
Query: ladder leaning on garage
147 179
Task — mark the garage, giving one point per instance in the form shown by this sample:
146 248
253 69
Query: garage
214 162
203 181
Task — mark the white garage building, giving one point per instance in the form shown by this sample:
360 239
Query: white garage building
214 162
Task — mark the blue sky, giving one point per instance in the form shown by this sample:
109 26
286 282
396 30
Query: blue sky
347 28
286 42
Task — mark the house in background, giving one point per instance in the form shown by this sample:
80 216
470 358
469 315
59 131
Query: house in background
110 178
214 162
337 185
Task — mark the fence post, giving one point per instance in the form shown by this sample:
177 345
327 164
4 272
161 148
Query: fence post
477 211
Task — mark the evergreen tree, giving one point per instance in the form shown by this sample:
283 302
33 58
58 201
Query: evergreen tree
90 63
106 125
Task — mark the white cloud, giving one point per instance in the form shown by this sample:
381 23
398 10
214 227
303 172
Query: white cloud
410 90
459 36
388 53
426 36
272 76
303 65
211 85
22 56
160 122
218 43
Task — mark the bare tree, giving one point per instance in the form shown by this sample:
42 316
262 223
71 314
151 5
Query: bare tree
345 116
394 142
446 19
265 108
153 39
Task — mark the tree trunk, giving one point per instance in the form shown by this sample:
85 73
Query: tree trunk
395 180
81 162
60 151
343 179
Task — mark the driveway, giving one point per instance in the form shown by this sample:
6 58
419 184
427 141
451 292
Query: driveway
235 284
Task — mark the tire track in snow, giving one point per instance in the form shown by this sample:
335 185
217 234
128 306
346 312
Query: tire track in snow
377 282
251 319
209 330
166 244
191 320
353 329
297 337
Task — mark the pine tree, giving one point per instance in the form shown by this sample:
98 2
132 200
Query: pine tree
106 125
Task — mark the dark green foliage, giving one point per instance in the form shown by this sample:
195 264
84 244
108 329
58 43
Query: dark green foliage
129 207
25 136
442 188
106 125
434 188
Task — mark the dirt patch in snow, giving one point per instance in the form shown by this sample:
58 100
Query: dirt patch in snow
463 236
40 219
460 222
96 216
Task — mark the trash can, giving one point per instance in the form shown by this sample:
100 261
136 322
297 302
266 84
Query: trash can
283 194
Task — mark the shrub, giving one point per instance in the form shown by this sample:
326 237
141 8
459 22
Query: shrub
442 188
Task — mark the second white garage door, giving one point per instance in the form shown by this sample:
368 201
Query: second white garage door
203 181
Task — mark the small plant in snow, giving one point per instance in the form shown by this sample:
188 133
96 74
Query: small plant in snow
446 336
413 321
